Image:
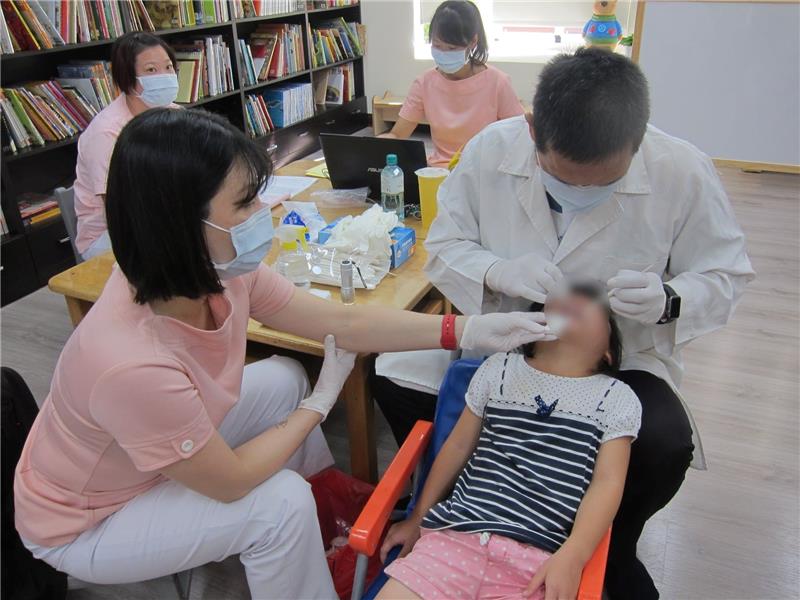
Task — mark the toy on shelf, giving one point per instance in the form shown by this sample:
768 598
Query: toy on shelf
603 30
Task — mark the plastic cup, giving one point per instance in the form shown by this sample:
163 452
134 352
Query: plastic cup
429 178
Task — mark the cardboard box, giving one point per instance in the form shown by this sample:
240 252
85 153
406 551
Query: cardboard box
404 242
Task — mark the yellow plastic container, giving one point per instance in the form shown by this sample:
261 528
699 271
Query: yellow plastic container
429 178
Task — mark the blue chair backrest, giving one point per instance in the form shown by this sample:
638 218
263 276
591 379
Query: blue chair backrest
449 407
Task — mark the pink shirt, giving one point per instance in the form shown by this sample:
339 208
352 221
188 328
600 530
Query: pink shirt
457 110
94 154
132 393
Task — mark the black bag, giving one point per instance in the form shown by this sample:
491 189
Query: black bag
23 577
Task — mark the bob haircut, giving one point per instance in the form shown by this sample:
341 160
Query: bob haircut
456 22
124 53
166 167
593 292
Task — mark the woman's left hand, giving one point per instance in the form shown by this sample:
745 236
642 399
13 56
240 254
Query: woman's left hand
502 332
561 576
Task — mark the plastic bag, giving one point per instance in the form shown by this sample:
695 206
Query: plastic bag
341 198
304 213
340 499
326 266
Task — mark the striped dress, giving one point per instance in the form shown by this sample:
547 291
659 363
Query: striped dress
536 452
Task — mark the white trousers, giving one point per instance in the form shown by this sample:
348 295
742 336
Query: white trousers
171 528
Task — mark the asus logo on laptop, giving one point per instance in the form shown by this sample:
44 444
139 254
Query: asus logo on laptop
374 170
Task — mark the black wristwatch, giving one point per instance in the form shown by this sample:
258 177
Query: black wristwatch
672 306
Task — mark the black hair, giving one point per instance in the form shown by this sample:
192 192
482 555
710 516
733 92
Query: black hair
166 167
456 22
606 366
590 105
123 57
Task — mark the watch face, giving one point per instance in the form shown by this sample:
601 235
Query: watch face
674 307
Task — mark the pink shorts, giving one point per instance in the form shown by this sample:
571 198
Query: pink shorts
451 564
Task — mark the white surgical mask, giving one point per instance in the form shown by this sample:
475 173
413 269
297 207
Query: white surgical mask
576 198
449 61
158 90
251 239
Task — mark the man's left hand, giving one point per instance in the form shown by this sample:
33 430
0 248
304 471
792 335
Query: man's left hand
638 296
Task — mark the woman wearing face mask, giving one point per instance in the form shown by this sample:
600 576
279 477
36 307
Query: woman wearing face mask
157 450
463 94
143 68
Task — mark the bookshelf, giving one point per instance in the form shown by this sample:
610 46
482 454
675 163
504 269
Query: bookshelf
31 254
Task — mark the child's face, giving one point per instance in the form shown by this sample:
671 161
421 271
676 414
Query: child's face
586 324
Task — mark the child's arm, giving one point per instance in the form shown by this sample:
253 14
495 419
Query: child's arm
561 573
445 470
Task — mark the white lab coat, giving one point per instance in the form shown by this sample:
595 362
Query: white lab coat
669 215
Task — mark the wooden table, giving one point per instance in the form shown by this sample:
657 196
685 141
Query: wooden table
407 289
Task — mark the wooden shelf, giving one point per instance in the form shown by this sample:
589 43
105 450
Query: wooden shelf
34 150
336 64
268 82
327 9
108 42
208 99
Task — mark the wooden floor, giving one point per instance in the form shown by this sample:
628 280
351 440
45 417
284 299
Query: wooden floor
732 532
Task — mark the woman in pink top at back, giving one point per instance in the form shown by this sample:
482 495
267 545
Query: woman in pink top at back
463 94
157 449
143 68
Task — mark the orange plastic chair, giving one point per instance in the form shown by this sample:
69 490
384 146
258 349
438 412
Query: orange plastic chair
366 533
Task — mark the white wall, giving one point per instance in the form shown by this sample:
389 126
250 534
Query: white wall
389 63
726 76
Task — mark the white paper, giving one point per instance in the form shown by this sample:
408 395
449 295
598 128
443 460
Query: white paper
284 187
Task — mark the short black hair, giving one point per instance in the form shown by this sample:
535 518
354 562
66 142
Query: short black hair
456 22
167 165
123 57
607 367
590 105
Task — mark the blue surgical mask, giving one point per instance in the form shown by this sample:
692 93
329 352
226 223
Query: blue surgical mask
449 61
251 239
158 90
576 198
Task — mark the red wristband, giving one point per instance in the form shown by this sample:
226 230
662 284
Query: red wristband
448 340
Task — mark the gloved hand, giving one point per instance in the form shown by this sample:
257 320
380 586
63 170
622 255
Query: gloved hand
638 296
501 332
528 276
336 366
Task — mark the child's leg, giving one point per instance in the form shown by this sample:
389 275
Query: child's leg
394 590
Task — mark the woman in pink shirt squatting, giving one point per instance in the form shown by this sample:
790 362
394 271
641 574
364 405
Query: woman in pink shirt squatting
143 68
156 449
463 94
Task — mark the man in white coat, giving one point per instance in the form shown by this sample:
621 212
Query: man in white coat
585 188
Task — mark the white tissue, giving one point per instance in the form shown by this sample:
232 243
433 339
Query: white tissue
368 233
556 323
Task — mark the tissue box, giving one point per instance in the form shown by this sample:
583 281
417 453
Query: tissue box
403 244
325 233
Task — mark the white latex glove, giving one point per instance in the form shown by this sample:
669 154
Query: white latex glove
528 276
336 366
501 332
638 296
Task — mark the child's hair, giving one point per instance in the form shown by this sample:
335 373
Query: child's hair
457 22
606 366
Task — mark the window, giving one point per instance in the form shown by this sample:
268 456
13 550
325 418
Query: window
522 30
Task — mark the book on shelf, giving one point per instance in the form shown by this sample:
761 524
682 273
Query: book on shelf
289 103
35 207
204 68
3 225
243 9
257 119
335 85
44 24
317 4
43 111
276 50
335 41
93 79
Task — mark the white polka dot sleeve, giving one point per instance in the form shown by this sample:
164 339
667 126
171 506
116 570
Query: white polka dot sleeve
485 379
625 413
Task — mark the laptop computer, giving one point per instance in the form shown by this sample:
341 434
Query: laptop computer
355 162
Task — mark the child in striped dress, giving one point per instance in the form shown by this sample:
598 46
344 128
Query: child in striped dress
532 474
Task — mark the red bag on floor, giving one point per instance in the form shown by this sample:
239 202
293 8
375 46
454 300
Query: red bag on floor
340 497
